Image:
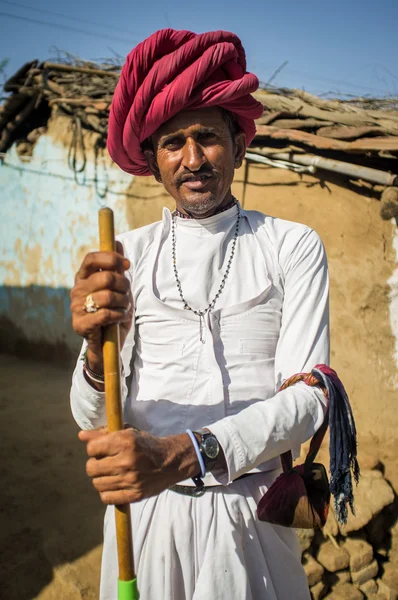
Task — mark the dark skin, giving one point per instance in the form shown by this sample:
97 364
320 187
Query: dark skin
194 155
197 145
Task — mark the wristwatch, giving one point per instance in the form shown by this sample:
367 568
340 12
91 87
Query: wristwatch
209 448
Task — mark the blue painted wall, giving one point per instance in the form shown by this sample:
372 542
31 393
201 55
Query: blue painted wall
48 222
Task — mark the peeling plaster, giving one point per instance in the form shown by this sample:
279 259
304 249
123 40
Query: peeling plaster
47 223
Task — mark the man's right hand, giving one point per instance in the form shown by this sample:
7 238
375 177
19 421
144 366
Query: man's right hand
102 275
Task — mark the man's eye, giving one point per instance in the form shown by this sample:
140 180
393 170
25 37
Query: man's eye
173 143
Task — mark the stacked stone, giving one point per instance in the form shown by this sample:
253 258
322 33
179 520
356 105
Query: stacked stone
360 559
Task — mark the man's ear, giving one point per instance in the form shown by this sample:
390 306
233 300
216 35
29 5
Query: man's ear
240 148
152 164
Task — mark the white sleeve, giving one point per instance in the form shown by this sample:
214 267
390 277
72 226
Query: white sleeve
266 429
87 403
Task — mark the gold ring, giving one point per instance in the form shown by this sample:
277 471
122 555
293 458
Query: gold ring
90 306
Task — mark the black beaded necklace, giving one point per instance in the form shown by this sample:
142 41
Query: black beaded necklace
201 313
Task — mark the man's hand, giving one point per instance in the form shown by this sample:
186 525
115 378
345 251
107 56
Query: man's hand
127 466
101 275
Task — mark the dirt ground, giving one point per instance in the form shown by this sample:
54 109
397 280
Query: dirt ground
50 517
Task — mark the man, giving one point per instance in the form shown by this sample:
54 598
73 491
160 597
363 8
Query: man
217 306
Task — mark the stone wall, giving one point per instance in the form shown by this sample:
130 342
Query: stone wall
360 559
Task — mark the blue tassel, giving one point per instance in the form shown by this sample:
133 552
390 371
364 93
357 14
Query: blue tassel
343 443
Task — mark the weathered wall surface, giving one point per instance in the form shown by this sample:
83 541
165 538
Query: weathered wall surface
363 276
361 261
48 220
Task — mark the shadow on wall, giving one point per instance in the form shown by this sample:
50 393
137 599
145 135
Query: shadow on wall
35 322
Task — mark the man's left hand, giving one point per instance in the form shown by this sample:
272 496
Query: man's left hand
127 466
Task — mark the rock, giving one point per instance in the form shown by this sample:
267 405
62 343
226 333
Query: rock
318 590
384 592
313 570
378 533
394 543
368 572
305 537
339 577
331 525
369 588
360 553
345 591
390 577
332 558
371 495
343 576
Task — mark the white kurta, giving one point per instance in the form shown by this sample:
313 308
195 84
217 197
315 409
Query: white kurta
270 322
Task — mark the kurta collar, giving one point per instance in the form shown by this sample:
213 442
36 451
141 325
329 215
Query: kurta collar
210 225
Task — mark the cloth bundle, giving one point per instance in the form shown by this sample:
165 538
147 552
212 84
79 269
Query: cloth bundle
300 495
173 71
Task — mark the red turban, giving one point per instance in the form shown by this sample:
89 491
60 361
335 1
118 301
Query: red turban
173 71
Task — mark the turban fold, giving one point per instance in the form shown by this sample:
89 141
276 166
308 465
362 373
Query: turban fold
173 71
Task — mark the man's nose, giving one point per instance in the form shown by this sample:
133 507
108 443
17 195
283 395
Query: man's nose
193 157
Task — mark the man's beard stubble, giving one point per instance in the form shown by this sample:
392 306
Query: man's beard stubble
200 204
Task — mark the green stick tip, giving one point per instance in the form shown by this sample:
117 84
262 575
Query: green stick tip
127 590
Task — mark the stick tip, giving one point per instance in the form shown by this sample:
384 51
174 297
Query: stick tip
105 211
128 590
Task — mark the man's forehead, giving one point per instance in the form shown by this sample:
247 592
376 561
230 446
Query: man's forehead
203 117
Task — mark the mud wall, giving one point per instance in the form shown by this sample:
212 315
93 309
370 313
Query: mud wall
363 276
48 220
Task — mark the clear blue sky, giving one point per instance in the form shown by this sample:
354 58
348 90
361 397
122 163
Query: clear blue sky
341 46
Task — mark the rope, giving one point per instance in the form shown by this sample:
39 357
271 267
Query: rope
77 143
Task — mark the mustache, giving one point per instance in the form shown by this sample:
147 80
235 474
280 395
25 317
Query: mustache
192 175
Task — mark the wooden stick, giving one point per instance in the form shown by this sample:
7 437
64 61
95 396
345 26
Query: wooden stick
103 102
113 391
73 69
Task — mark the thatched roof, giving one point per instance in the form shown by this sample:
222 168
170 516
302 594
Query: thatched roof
362 131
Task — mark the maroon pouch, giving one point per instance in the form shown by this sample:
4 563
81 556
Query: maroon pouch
300 496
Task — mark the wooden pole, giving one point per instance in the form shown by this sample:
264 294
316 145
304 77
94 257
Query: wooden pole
127 588
73 69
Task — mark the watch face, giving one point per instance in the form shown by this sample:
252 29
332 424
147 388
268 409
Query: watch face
211 447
